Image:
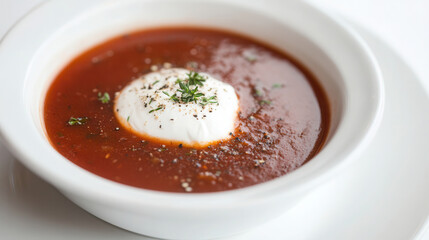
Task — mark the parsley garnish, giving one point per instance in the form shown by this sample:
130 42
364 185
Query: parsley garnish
189 94
265 102
277 85
104 98
188 90
77 121
205 101
157 109
173 97
195 79
258 92
128 118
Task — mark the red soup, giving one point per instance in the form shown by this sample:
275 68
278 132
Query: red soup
282 122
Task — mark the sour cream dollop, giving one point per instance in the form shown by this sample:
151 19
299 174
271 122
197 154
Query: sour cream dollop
152 106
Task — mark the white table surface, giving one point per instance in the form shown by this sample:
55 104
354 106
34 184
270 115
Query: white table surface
403 24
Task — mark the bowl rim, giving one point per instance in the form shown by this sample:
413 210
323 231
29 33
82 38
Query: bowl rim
137 196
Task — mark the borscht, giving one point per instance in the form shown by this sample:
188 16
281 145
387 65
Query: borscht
186 109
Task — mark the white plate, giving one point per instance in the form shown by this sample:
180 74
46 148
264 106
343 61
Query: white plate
383 195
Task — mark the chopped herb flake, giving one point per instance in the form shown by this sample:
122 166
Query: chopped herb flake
277 85
77 121
188 90
204 101
265 102
173 97
104 98
258 92
195 78
188 94
156 109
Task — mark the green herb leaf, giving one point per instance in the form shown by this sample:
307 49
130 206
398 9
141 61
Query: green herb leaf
265 102
174 98
128 118
258 92
195 78
277 85
189 94
157 109
104 98
204 101
157 81
77 121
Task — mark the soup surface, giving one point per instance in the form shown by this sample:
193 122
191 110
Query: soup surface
282 121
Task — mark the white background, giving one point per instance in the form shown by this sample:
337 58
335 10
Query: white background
403 24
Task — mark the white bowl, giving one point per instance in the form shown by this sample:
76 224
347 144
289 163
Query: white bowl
43 42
